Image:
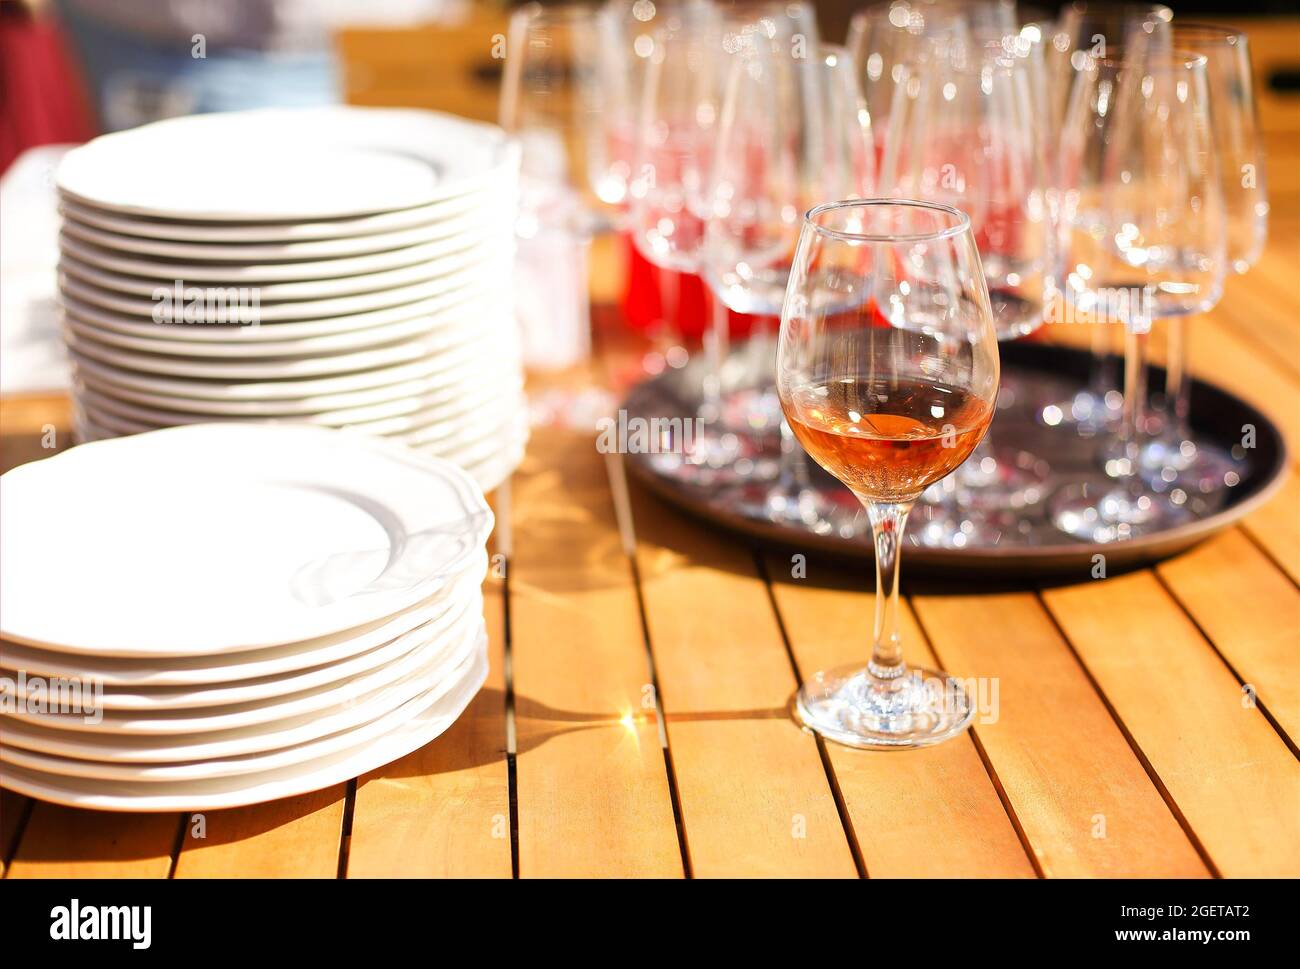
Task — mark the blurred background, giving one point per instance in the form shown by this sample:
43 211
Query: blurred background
73 68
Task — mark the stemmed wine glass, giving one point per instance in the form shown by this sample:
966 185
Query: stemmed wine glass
793 133
1142 205
556 102
887 369
891 37
968 131
1086 30
1172 460
686 70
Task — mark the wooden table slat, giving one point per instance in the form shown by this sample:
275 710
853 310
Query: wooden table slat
755 798
1250 611
62 842
592 782
1275 527
927 813
444 810
1230 774
296 837
1082 797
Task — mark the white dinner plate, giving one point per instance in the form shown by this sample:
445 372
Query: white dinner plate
475 275
157 338
488 465
167 724
445 694
354 326
493 472
501 188
489 329
272 735
489 411
336 410
227 792
431 617
154 698
464 438
437 371
295 164
450 266
211 538
478 236
493 209
477 396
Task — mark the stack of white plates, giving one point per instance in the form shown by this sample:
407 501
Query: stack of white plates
343 267
220 614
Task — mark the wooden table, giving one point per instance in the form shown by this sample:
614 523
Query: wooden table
635 720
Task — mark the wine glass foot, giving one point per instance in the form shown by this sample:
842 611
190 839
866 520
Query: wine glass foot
1116 514
1087 412
850 706
943 524
716 458
1195 470
798 507
1004 478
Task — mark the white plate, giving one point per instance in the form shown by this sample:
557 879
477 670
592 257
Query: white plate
477 236
489 463
154 698
469 436
157 338
212 795
220 537
170 748
478 396
450 367
168 724
234 334
492 271
336 410
451 265
503 188
450 687
492 473
484 333
285 164
430 617
496 209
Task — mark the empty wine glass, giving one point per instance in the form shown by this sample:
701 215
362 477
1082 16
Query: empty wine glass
1172 460
1143 207
554 102
888 39
794 132
1084 31
968 131
887 368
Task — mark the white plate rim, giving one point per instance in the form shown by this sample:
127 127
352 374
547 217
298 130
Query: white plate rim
88 161
476 518
412 735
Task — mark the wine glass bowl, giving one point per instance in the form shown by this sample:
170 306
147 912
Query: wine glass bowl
1142 221
887 371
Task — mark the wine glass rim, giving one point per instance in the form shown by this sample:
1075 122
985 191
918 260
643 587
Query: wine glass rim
1222 33
961 223
1161 10
1162 60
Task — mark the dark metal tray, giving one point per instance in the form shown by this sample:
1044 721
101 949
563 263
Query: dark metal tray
1027 544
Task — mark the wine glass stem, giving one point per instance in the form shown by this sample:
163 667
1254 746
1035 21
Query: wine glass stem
1101 373
888 519
1136 336
1178 389
716 348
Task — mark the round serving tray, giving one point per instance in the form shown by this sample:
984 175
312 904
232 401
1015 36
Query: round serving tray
1026 543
